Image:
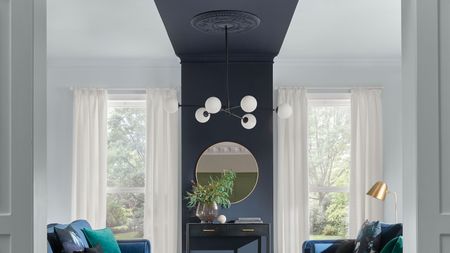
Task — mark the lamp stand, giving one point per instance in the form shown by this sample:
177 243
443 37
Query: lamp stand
395 205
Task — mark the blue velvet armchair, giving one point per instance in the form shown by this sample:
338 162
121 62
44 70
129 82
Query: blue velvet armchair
388 232
126 246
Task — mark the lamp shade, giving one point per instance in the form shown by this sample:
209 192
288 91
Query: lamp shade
284 111
201 115
248 121
379 190
213 105
249 103
171 105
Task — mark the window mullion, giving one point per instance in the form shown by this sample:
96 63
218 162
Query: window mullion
125 189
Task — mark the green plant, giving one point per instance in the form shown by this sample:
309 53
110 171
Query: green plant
217 190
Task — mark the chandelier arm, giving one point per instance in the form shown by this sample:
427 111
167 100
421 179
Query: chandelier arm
233 108
231 114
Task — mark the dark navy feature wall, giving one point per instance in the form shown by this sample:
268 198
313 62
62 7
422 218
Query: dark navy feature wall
202 80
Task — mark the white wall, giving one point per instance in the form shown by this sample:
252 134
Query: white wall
137 74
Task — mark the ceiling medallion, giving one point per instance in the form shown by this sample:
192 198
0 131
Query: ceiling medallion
228 22
216 21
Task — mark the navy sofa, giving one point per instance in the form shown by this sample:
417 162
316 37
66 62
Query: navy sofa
388 232
128 246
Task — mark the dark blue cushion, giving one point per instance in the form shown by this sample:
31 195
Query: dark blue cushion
389 232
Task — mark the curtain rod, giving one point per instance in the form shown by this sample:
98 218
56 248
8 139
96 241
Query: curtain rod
333 88
123 89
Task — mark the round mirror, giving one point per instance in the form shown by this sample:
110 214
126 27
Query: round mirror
229 156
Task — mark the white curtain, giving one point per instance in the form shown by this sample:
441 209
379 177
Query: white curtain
162 175
89 156
367 156
292 226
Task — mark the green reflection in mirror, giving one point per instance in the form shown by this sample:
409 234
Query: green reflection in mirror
229 156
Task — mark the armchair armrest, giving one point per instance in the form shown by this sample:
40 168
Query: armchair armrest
326 246
134 246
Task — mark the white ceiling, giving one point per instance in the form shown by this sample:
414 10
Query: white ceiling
132 29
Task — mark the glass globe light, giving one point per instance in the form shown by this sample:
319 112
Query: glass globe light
171 105
249 103
284 111
213 105
201 115
248 121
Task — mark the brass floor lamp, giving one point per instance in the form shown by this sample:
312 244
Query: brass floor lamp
379 191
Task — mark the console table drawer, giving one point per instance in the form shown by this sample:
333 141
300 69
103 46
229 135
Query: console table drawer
207 230
247 230
205 236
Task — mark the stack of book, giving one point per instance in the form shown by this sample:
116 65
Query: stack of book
247 220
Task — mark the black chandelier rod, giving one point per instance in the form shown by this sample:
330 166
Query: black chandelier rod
226 62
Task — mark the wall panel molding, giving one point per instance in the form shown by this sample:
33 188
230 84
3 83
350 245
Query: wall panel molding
5 107
5 243
444 103
444 244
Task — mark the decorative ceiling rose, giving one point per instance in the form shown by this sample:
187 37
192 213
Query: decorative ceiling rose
216 21
228 21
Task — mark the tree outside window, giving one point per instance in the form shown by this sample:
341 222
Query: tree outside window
329 140
126 168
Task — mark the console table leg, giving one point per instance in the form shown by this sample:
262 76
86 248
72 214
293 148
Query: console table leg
259 244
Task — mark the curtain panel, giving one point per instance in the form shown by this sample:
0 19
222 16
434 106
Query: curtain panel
366 156
89 156
161 213
292 211
292 221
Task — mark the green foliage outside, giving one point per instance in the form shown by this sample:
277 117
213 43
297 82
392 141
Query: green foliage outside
329 139
217 190
126 160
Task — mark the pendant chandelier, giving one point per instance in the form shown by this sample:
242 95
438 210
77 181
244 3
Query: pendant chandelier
228 21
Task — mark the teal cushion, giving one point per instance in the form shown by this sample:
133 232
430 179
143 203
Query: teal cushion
104 238
394 246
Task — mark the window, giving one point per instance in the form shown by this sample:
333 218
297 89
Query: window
126 167
329 140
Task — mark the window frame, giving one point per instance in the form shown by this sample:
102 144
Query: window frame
330 99
126 101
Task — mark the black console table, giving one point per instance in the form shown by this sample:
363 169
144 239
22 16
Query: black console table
229 236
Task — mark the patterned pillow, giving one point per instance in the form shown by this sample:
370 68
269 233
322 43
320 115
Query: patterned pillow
69 239
369 238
